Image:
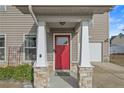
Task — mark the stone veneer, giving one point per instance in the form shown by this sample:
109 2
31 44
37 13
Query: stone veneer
41 77
74 70
85 77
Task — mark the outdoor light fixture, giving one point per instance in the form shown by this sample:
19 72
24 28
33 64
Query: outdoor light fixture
62 23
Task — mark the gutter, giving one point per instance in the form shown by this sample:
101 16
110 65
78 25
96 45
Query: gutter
33 15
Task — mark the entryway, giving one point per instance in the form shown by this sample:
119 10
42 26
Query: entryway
62 52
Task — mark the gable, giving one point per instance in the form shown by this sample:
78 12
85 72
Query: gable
118 40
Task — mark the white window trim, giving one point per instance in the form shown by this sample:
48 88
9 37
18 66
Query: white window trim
24 60
4 61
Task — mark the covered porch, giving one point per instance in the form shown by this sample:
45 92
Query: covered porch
59 51
59 22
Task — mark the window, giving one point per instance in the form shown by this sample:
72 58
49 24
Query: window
2 8
30 47
2 47
62 40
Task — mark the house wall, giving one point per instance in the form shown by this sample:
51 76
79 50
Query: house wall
118 49
118 41
100 27
15 25
99 33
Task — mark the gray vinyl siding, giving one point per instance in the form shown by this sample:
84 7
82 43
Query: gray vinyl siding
118 40
75 48
99 33
15 25
100 27
50 47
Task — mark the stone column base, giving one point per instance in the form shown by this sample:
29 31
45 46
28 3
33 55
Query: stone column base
85 77
40 77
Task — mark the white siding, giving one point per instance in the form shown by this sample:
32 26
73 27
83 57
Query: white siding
95 52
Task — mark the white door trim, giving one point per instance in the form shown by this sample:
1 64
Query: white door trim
54 34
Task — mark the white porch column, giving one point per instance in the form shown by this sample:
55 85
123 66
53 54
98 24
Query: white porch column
40 67
85 68
85 53
41 46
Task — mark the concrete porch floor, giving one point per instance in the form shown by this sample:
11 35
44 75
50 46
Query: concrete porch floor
105 75
57 81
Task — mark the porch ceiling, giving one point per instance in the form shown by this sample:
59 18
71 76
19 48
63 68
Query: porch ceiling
65 10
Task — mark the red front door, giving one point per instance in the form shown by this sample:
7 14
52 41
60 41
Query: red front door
62 52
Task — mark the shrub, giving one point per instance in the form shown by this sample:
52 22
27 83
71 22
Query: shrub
6 73
2 73
21 72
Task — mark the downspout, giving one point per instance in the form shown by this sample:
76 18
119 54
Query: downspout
33 15
36 22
